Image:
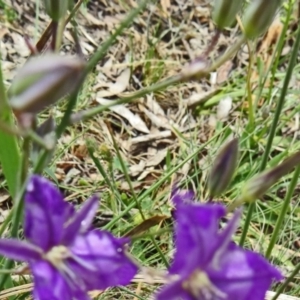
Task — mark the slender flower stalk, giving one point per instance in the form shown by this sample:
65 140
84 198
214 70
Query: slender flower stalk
274 127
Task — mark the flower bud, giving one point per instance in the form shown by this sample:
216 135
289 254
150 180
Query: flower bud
196 68
260 183
223 168
224 12
43 81
56 9
258 16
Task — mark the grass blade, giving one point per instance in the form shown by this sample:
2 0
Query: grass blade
10 156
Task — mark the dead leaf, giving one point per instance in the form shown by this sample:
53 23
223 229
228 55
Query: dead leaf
80 151
123 111
265 53
166 5
199 98
223 72
91 19
73 173
118 87
135 170
3 196
19 44
153 105
157 158
158 121
121 83
125 186
151 137
224 108
145 174
145 225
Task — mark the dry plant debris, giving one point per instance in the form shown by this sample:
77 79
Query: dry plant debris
160 42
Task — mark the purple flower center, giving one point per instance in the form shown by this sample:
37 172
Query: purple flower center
199 286
57 255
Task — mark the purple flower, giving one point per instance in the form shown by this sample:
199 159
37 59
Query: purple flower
207 264
66 255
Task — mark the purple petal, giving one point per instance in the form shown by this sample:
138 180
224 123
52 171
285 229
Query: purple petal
49 284
244 275
100 260
225 238
19 250
81 221
196 232
45 213
180 196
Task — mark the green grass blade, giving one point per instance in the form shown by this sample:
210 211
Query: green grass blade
283 212
10 156
274 126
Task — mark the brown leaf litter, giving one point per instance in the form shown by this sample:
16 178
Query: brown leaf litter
161 41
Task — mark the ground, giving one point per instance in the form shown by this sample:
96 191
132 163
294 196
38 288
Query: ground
135 152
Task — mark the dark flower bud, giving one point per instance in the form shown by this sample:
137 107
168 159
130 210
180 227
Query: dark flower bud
43 81
258 16
56 9
224 12
259 184
223 168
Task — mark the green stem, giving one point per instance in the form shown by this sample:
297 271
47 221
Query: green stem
123 25
127 178
39 140
10 157
19 133
227 55
249 94
235 204
96 58
66 117
279 48
59 34
136 201
275 58
18 204
25 160
283 211
158 183
83 115
131 293
281 99
287 282
109 181
292 63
